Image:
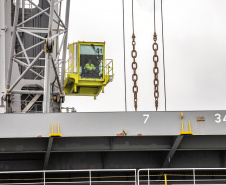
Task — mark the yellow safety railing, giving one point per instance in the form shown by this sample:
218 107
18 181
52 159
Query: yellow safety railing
109 68
71 68
68 68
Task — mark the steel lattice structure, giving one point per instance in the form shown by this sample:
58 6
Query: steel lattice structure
44 43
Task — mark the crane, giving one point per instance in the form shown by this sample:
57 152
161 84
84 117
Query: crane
30 60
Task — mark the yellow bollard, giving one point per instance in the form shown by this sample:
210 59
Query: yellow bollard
58 131
182 130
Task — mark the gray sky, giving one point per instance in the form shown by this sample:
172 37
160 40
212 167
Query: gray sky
195 57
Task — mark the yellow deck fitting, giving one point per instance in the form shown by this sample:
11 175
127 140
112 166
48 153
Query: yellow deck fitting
181 115
165 177
186 133
55 134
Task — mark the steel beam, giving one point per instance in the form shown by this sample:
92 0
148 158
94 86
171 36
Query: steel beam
60 20
42 42
24 21
172 151
31 58
23 49
31 103
47 156
35 30
46 99
30 33
12 44
42 9
26 65
59 50
57 77
23 7
48 58
58 34
101 144
112 123
26 92
65 42
24 27
25 71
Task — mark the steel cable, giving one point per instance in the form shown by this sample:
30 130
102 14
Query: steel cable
132 18
163 57
123 14
154 18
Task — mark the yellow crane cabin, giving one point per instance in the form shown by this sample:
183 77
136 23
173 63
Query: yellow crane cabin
88 72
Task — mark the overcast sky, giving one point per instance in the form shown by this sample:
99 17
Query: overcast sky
195 52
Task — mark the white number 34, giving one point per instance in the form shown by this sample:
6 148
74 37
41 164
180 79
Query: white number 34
218 118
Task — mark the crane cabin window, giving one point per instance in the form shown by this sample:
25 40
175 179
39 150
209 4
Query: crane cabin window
91 61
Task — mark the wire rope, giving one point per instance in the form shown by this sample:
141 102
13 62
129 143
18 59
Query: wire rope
154 19
123 14
132 18
163 53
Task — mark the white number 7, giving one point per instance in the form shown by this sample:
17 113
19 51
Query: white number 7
147 116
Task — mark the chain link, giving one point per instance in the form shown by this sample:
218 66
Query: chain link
155 70
134 67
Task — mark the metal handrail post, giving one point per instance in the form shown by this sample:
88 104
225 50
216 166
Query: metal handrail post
44 177
90 178
138 177
194 175
148 177
135 171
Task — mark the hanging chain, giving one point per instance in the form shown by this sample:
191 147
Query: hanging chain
134 65
155 60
